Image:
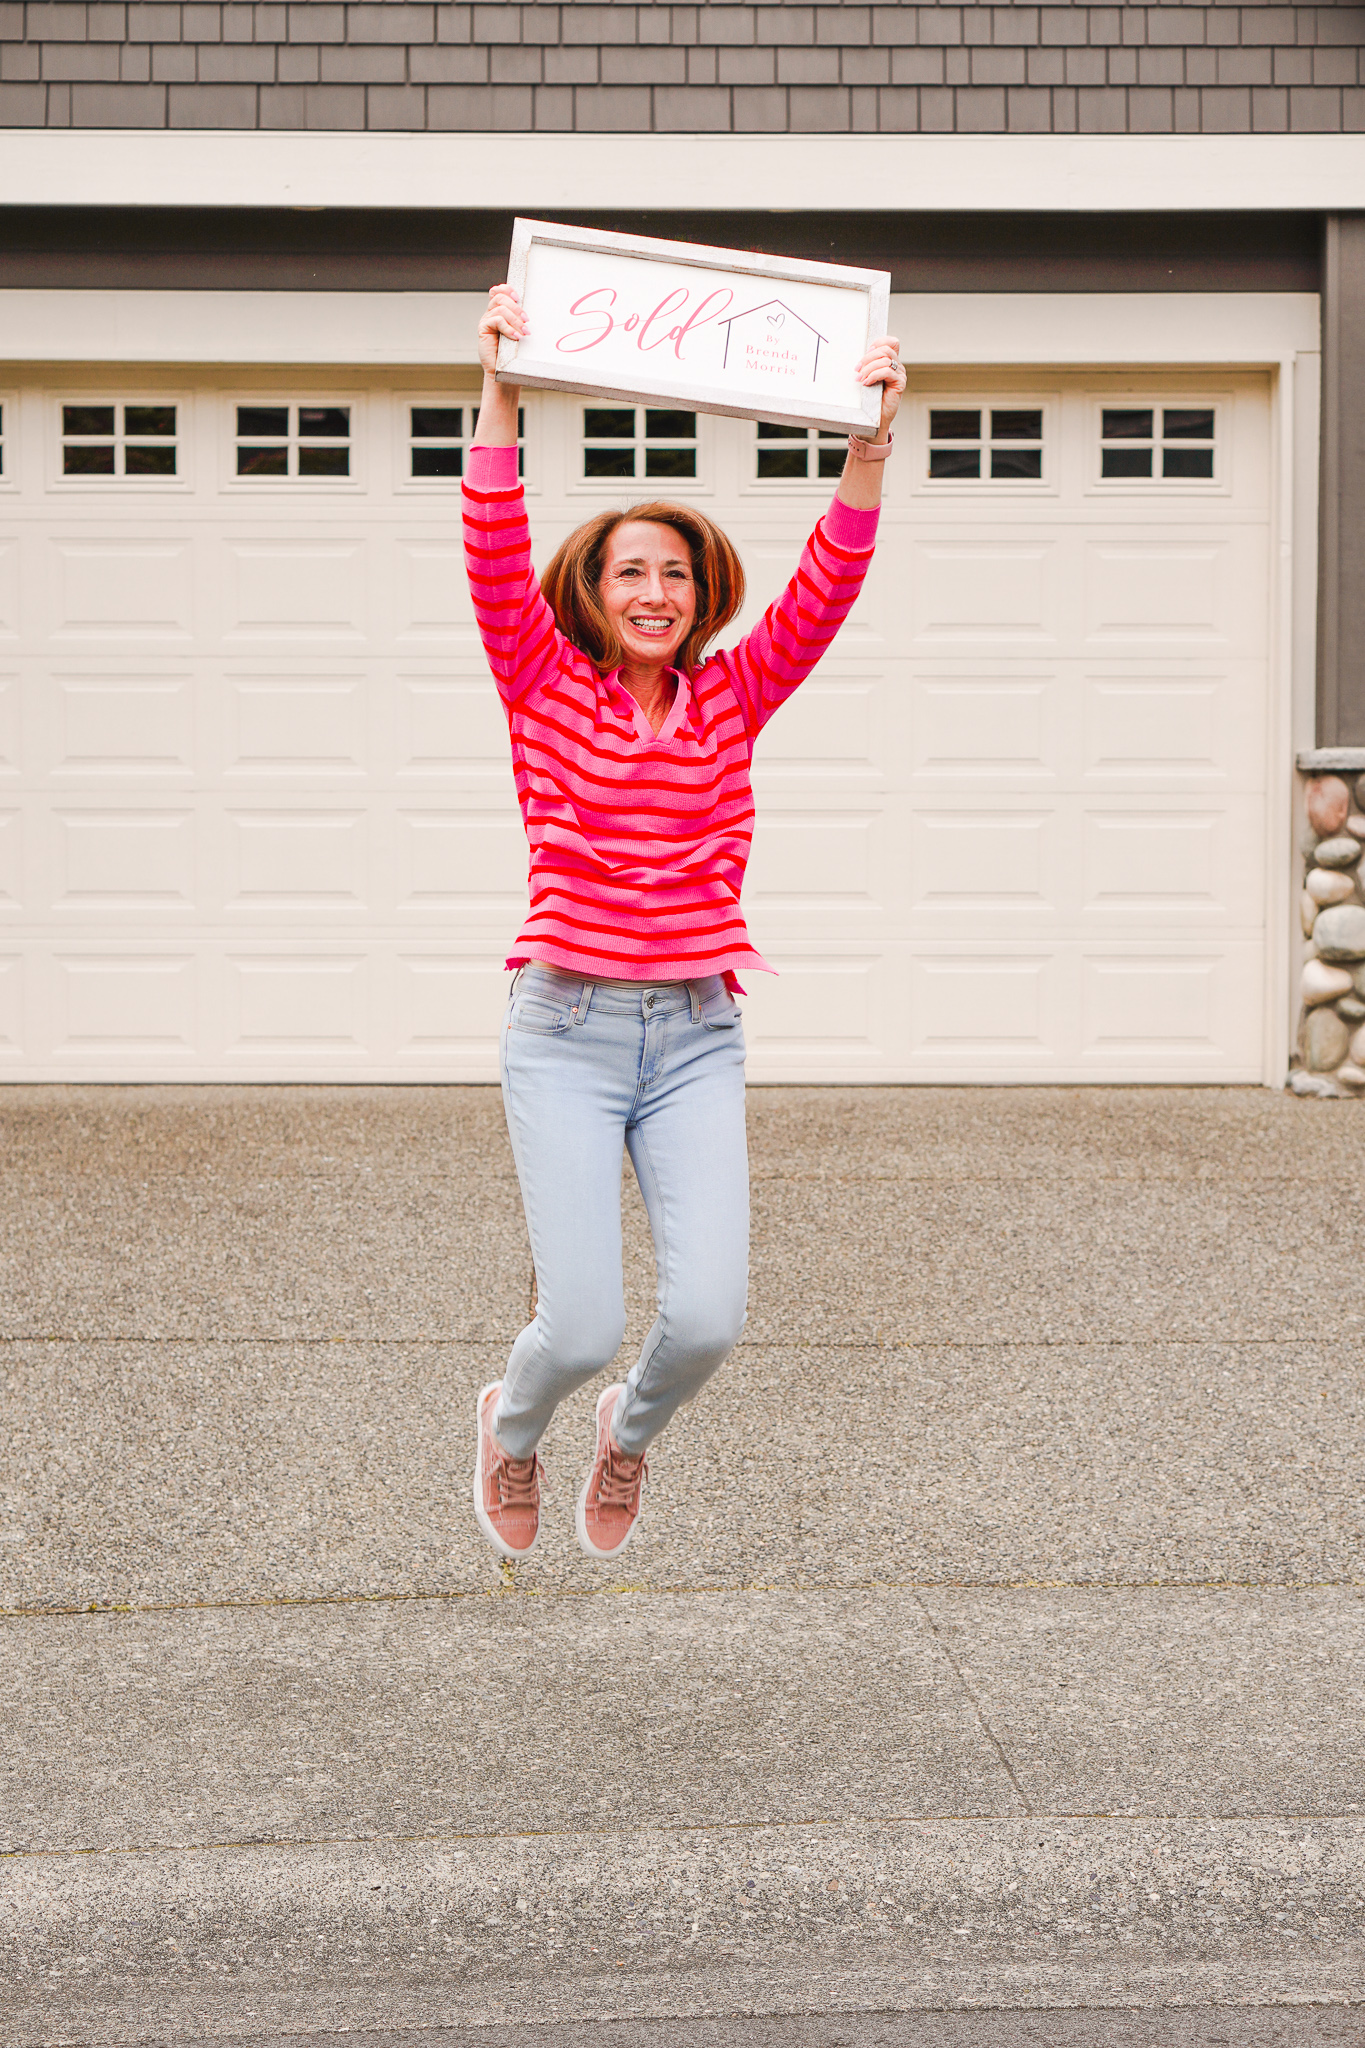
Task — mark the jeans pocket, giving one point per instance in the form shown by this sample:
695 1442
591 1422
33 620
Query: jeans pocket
720 1013
544 1020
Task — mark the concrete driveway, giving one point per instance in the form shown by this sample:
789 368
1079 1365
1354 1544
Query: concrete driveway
990 1666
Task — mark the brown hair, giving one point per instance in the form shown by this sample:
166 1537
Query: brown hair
570 583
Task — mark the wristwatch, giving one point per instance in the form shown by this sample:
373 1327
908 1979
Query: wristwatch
867 451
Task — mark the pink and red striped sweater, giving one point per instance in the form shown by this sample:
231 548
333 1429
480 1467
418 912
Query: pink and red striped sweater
639 843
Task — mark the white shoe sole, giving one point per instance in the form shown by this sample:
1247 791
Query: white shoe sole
481 1515
588 1548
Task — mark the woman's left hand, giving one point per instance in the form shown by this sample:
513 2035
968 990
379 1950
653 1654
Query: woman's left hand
882 365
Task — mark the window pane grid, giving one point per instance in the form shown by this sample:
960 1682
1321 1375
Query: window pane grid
439 436
999 443
1139 443
639 441
102 439
799 454
300 440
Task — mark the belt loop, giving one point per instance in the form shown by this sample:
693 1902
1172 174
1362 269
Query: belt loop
516 981
695 1001
581 1007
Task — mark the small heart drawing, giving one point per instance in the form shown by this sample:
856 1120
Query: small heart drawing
776 319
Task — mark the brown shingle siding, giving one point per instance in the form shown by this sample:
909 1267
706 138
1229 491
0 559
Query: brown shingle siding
636 65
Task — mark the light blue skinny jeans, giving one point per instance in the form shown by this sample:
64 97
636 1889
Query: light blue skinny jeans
657 1068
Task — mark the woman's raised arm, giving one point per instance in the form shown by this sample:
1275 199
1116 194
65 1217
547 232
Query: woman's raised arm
496 426
516 625
861 483
783 648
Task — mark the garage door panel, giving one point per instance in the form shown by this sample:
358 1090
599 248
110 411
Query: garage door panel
454 862
1173 863
1191 591
9 587
122 590
986 861
285 723
137 1006
432 595
11 703
297 861
821 861
999 592
129 860
977 722
447 1006
833 729
301 1006
1185 1009
968 1007
825 1014
450 726
1178 723
116 724
16 1039
301 591
13 894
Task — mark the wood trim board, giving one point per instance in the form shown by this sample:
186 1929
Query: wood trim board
635 318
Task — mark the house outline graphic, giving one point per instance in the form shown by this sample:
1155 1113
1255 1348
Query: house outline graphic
735 318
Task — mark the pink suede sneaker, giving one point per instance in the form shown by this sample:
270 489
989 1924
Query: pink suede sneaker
609 1505
506 1490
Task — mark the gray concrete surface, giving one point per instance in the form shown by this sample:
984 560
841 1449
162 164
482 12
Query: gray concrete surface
1191 2027
992 1656
1188 2027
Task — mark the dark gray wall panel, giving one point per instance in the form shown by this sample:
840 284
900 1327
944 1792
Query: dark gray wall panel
345 250
1341 552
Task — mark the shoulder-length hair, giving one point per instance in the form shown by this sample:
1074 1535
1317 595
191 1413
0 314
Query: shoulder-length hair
570 582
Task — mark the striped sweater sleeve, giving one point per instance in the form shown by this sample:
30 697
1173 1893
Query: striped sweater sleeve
516 625
793 633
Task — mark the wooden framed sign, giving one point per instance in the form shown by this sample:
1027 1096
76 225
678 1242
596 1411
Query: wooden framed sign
717 330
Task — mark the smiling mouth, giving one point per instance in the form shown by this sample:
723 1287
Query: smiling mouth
655 629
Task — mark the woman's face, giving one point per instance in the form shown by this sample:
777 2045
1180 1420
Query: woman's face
647 590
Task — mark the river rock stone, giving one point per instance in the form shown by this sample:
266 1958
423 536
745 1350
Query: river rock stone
1351 1076
1323 984
1304 1083
1328 800
1357 1048
1339 933
1324 1040
1360 791
1352 1009
1355 825
1337 853
1328 885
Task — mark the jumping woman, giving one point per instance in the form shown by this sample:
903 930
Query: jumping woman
630 749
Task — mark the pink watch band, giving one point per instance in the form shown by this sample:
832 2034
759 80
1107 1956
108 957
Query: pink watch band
865 450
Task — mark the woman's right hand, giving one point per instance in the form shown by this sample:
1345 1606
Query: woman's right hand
503 315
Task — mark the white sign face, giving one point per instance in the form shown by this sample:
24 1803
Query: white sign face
757 337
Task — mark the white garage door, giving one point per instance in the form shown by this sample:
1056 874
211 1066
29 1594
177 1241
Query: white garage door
255 809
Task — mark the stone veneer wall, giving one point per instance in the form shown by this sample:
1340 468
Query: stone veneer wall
1329 1059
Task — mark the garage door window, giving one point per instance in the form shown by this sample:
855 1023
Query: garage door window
438 437
639 440
102 438
999 444
799 454
305 443
1142 442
